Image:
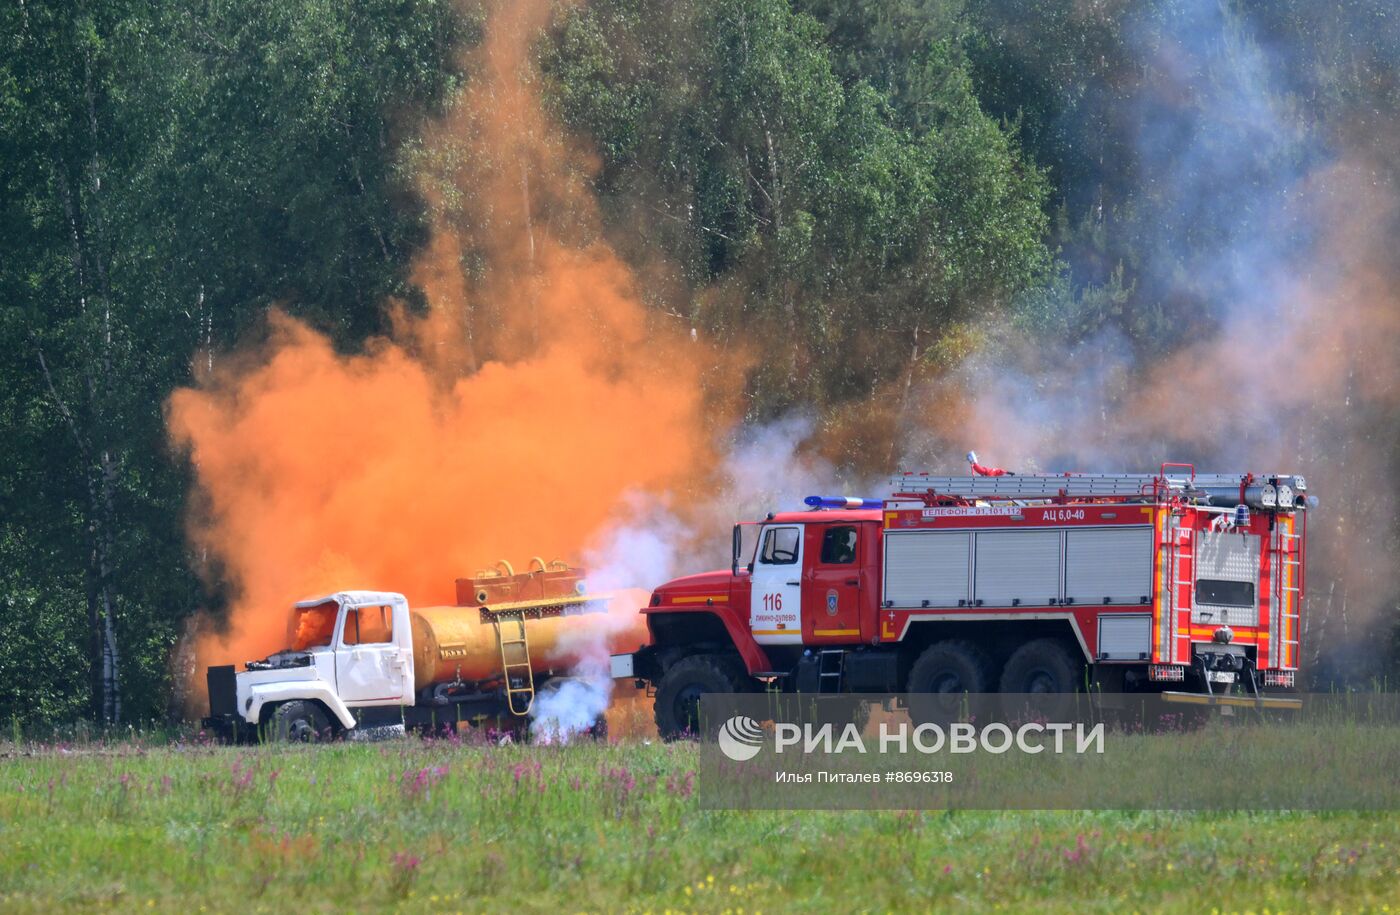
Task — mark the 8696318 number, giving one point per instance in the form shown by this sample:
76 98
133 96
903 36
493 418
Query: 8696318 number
920 777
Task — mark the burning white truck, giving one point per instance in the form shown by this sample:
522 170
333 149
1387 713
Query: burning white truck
362 659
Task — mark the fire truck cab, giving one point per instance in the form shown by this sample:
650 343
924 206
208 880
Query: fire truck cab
1180 583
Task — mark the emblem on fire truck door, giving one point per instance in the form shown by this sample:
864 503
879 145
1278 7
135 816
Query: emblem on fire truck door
831 603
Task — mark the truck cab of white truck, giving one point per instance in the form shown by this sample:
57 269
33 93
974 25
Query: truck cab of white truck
349 652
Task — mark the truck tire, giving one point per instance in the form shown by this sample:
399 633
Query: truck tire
677 705
1042 666
1042 676
298 721
942 674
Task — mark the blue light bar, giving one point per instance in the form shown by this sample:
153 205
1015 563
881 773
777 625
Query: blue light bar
842 502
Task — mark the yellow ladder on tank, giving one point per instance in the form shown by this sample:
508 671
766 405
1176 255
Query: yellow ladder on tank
515 662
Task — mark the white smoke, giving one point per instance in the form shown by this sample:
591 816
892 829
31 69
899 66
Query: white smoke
570 706
1035 411
640 548
1222 168
652 540
767 469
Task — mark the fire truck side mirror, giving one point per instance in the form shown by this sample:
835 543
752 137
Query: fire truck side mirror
738 545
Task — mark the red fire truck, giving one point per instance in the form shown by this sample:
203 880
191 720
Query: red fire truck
1185 584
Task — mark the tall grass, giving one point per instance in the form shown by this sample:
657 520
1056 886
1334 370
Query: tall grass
467 827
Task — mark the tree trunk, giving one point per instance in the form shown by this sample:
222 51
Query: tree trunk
105 536
100 466
532 274
99 388
903 399
101 601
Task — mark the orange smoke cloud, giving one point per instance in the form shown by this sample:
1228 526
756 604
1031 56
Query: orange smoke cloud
320 472
509 421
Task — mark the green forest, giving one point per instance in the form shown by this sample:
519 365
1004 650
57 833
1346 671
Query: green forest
1127 231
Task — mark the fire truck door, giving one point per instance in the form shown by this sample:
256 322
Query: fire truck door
776 596
831 590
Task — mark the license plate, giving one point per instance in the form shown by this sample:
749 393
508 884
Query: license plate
1220 676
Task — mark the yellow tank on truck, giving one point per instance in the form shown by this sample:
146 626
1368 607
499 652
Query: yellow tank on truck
452 643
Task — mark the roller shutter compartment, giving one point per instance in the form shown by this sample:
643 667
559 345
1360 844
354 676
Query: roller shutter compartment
927 566
1108 565
1017 568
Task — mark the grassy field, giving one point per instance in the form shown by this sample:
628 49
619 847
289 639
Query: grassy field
432 827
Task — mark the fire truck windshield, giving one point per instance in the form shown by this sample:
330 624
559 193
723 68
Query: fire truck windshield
312 627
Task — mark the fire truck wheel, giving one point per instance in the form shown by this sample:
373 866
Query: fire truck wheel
299 721
1042 666
684 682
1039 681
942 674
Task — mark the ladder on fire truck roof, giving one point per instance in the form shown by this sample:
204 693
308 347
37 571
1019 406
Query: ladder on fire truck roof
1124 486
